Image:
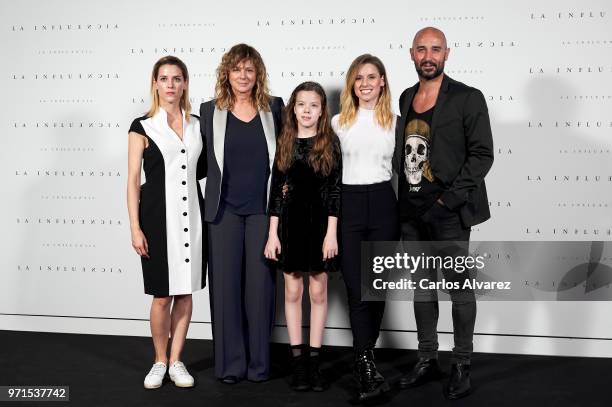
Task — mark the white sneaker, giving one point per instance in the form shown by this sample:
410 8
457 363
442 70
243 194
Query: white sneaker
179 375
156 376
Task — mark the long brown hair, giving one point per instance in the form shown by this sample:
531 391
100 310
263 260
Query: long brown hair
184 103
224 95
349 103
321 157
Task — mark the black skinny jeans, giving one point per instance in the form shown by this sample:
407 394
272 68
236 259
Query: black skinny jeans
438 224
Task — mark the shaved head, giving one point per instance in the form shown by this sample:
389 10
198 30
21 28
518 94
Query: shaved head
429 52
429 31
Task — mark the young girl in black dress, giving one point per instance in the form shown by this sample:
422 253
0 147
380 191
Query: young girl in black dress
304 209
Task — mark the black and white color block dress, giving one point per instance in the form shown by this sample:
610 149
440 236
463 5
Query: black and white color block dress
171 208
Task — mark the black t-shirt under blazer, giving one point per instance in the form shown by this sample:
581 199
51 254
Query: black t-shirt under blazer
419 188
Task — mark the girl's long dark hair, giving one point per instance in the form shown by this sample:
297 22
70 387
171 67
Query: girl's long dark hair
321 157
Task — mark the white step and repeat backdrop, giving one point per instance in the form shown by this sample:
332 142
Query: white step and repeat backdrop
75 73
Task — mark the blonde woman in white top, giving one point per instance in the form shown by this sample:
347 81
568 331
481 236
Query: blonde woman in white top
366 129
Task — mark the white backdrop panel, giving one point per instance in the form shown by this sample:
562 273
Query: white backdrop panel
76 73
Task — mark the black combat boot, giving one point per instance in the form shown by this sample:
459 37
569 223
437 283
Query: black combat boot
371 383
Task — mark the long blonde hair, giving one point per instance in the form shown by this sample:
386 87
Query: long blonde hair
184 103
349 103
224 95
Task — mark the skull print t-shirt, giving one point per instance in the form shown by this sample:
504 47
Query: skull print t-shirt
419 189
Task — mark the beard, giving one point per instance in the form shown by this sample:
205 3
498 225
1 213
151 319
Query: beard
429 75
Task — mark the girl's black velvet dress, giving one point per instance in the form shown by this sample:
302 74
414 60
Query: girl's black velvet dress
304 209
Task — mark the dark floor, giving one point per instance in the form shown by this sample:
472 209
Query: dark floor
109 371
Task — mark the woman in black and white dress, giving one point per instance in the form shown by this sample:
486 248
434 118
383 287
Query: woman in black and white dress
166 214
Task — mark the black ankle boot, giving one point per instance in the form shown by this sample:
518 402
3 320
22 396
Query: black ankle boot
317 381
371 383
299 367
459 384
425 370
